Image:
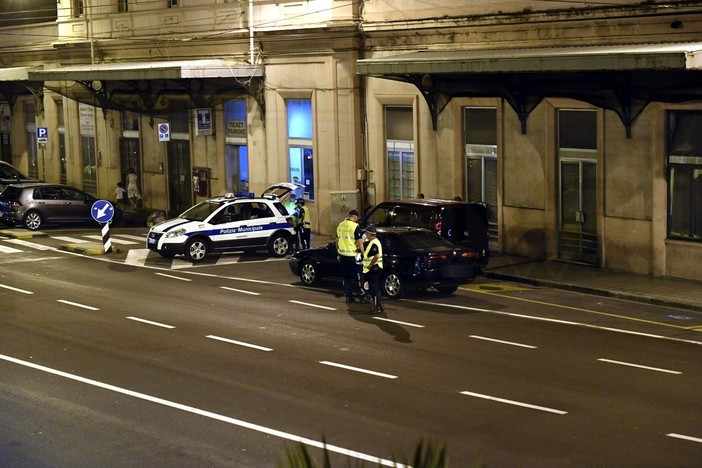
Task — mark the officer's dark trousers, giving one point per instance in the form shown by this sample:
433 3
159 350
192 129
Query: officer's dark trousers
296 241
373 278
305 237
349 272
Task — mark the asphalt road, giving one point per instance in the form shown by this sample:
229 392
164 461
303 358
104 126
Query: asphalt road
130 359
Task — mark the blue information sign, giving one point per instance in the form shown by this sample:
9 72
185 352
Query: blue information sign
42 135
102 211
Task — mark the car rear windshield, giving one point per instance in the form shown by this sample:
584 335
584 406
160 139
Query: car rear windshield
462 221
11 193
401 215
9 172
281 208
423 240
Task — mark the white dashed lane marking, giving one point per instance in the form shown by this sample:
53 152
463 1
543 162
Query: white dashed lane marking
150 322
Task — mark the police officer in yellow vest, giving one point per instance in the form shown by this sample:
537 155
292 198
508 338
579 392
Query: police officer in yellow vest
373 269
304 223
292 208
349 243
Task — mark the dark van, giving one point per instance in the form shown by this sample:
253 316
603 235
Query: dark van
460 222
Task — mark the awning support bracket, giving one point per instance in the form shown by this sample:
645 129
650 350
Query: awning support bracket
435 99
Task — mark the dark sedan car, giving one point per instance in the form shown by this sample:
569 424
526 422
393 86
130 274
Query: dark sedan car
35 204
413 259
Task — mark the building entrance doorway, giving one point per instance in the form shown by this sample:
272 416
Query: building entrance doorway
577 152
129 157
578 208
180 192
236 160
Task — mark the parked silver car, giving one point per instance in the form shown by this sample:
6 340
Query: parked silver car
34 205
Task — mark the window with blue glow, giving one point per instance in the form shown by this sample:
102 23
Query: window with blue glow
300 151
299 118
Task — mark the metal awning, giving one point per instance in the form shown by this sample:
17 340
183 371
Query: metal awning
623 78
175 70
14 74
687 56
145 87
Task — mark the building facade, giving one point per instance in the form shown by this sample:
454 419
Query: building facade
577 124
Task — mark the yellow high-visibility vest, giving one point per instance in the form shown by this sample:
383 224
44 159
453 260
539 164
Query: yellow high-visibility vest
367 259
346 242
306 220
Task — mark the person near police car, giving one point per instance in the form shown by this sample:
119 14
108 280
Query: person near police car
373 268
294 212
305 223
349 243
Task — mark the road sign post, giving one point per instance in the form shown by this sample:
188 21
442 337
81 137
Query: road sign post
103 211
42 140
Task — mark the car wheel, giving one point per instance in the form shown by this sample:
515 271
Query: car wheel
309 273
392 285
446 289
32 220
196 249
279 245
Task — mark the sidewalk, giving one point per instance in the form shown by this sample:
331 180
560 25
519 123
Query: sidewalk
672 292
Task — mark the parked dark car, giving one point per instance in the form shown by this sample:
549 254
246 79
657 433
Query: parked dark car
462 223
34 205
10 175
413 259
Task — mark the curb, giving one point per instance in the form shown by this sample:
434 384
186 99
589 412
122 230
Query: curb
87 249
21 233
595 291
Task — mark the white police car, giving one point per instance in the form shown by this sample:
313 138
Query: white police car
223 224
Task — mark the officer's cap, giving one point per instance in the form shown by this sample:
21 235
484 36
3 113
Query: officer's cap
353 213
371 229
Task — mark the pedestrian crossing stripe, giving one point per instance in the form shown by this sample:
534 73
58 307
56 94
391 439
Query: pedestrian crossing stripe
130 236
71 240
496 287
113 240
9 250
136 257
31 245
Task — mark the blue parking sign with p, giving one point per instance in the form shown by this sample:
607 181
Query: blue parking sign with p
42 134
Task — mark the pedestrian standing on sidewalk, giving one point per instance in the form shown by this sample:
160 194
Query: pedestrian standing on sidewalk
132 188
349 243
373 269
121 195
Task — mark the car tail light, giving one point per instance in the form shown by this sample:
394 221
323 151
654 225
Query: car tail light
468 254
435 259
14 203
437 227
